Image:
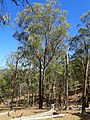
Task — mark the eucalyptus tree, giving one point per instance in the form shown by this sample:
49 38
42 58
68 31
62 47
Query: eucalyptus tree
41 32
81 46
66 52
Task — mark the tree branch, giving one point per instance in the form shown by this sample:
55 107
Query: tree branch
15 2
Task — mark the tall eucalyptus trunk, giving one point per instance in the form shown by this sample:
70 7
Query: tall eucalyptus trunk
85 87
43 80
40 86
67 77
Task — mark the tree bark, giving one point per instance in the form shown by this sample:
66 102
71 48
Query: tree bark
85 86
33 99
40 86
11 103
84 98
28 96
59 99
66 83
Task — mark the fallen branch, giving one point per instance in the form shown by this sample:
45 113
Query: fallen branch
38 118
49 114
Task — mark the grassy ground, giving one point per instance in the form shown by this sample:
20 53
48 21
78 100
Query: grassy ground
71 115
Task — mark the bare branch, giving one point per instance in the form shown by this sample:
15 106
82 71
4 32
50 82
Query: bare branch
15 2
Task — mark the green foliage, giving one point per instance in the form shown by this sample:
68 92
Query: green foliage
41 27
81 42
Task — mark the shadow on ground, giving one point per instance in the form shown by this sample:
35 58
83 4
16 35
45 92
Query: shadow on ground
86 117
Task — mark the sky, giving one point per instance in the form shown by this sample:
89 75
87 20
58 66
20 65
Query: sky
8 44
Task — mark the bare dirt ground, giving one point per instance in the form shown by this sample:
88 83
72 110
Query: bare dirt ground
70 115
